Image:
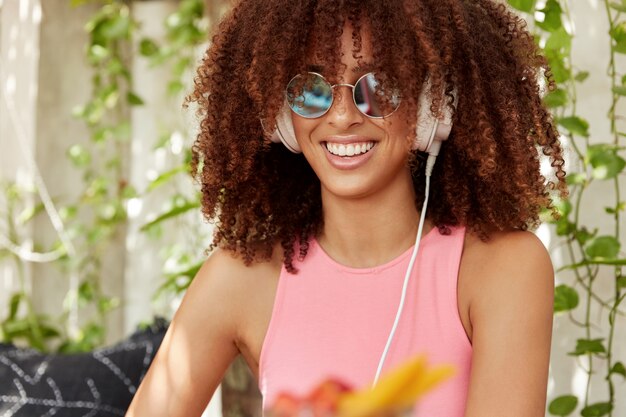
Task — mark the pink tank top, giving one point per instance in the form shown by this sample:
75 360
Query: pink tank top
330 320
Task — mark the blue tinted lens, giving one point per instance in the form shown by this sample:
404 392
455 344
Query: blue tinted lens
309 95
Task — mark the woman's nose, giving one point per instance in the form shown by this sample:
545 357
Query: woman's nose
343 112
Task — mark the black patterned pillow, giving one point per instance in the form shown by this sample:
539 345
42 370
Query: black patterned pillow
95 384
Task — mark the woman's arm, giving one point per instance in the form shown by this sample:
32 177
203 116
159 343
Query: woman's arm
511 315
198 346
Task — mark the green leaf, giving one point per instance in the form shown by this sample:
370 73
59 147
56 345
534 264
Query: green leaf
97 54
619 369
565 298
564 227
147 47
86 293
620 207
564 207
174 87
117 27
181 66
15 328
576 178
581 76
585 346
603 247
49 332
29 213
97 188
556 98
523 5
559 68
192 8
596 410
106 304
110 211
563 406
102 134
189 272
621 282
110 97
68 212
122 131
552 16
176 211
617 6
117 67
133 99
129 192
14 304
576 125
79 156
606 163
166 177
619 90
618 33
582 235
560 41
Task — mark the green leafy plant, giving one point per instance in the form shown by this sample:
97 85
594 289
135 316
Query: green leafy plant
590 253
185 31
22 323
96 219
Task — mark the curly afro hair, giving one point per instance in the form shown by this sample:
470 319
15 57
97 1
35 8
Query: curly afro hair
487 176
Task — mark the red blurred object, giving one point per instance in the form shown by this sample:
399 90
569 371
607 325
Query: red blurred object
324 399
321 402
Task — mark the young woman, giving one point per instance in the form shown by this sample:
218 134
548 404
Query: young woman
341 250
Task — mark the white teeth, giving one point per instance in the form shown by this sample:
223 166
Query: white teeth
350 149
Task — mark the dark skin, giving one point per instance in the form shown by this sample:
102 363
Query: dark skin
505 285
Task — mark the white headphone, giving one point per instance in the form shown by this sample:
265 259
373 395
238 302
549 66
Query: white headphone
430 131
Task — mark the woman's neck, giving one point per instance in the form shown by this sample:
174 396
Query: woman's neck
370 231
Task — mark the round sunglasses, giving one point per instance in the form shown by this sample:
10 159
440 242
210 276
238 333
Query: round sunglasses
311 96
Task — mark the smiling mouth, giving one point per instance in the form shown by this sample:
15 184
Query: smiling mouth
349 149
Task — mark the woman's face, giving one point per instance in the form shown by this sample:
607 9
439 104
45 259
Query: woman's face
381 146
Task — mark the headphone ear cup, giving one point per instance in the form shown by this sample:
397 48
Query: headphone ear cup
285 132
429 128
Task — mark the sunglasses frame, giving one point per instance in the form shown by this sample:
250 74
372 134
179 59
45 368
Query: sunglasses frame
332 98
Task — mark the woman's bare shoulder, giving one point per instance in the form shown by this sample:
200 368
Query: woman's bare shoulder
226 266
505 246
512 289
493 266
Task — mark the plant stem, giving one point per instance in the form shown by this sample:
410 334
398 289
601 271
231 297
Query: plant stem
612 72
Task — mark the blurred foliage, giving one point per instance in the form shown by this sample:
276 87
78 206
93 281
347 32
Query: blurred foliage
603 161
96 220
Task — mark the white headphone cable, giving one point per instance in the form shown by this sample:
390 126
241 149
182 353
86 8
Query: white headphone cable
430 163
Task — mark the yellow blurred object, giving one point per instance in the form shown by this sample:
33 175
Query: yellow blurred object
398 390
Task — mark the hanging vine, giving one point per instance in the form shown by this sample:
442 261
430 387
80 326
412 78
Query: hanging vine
591 254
